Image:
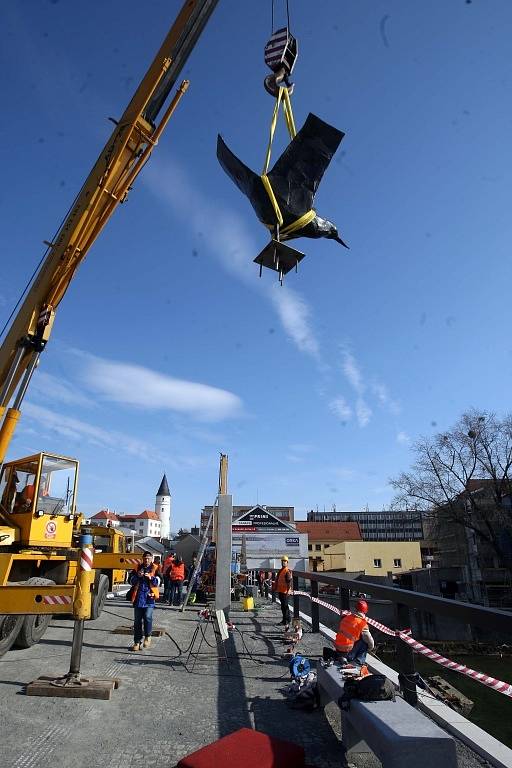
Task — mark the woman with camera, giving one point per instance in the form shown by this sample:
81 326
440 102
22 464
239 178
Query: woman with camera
145 590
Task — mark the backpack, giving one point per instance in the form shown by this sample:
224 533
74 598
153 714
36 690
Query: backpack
307 699
303 693
369 688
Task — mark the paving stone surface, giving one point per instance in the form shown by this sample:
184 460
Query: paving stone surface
168 704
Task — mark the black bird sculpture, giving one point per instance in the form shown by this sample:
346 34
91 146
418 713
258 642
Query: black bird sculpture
294 180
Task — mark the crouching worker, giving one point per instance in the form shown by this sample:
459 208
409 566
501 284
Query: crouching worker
353 640
145 583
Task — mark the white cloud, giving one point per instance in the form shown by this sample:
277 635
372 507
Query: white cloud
142 387
298 452
295 459
363 412
295 315
48 387
403 438
341 408
233 246
302 448
78 430
352 372
345 473
354 376
384 398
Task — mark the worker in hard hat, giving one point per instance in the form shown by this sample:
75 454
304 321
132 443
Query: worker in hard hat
353 640
283 586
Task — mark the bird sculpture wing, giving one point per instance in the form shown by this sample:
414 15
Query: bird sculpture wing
298 172
248 182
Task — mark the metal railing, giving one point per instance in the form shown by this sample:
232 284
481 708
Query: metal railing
403 600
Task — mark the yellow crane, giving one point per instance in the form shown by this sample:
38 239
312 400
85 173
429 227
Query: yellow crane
38 519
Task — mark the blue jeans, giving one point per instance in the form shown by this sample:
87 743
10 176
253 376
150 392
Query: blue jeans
142 616
175 592
358 652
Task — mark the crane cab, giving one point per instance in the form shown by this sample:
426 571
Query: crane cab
38 498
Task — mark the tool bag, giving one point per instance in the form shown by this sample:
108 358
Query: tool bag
369 688
303 693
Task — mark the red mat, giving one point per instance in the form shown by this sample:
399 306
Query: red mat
246 749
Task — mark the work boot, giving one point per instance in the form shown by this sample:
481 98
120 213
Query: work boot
147 642
136 647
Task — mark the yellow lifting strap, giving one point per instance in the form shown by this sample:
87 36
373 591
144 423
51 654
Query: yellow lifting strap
282 97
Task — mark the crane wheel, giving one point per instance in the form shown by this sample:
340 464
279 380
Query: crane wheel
99 596
10 625
33 627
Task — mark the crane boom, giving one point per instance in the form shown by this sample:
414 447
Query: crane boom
123 157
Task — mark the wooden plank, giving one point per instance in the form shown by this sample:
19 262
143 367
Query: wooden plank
91 688
125 630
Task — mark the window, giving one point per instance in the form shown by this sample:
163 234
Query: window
318 547
397 562
310 547
377 562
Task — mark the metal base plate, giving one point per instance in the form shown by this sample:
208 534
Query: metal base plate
88 688
279 257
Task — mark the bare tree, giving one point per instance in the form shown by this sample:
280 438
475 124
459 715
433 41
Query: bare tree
464 476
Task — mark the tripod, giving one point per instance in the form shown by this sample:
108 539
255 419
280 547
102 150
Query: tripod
199 637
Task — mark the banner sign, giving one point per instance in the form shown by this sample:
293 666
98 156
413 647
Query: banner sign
258 520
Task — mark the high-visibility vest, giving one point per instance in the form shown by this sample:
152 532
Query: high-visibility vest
169 560
177 572
349 631
281 583
154 590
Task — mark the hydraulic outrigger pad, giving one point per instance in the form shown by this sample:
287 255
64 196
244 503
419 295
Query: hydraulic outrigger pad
279 257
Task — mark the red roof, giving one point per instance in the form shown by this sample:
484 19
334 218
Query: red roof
105 514
330 531
148 514
476 484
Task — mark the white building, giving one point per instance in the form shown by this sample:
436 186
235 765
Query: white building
146 524
106 518
163 508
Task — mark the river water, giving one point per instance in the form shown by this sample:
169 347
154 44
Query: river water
492 711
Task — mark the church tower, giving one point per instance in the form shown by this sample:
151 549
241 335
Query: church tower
163 507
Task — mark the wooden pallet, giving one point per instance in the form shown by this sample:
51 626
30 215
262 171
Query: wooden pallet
88 688
128 630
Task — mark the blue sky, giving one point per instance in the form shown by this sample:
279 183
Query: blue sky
168 347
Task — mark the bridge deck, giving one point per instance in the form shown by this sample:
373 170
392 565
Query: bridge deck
162 712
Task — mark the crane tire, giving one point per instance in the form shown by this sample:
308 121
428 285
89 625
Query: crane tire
33 626
99 596
10 625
